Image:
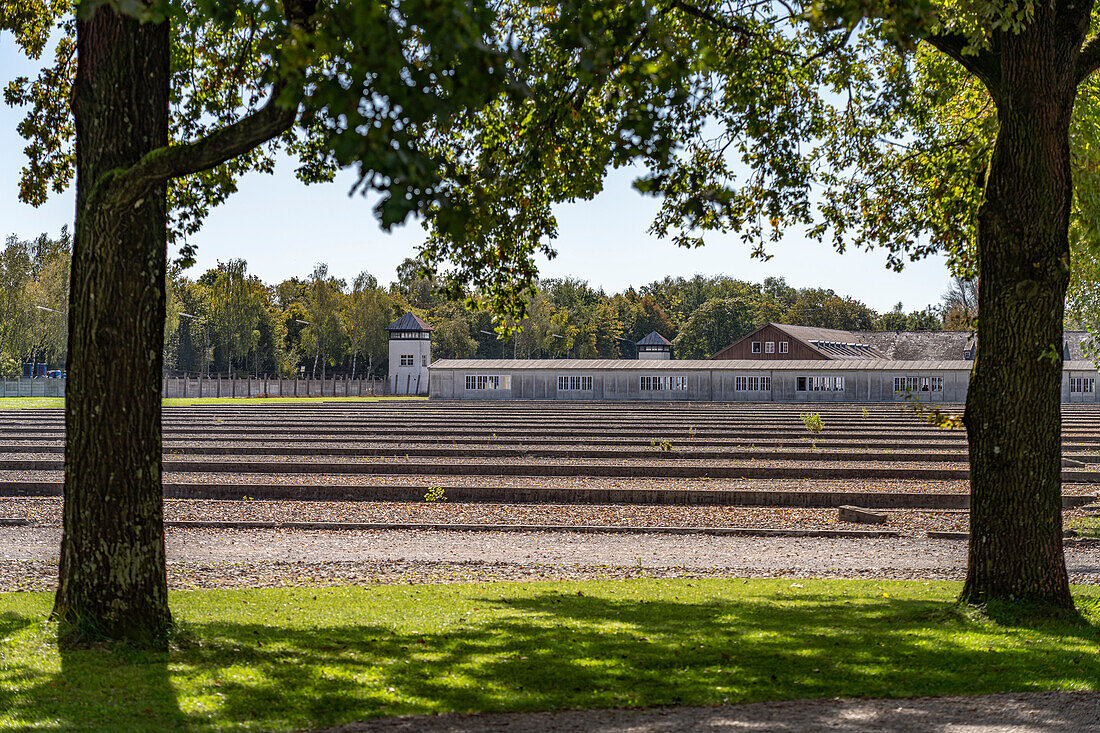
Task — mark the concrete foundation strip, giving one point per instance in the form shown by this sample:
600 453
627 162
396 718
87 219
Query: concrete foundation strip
581 528
397 467
1070 540
551 495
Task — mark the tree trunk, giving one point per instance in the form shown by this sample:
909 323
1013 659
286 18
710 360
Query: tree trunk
112 574
1013 409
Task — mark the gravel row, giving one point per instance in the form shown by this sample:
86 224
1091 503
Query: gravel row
41 575
661 459
267 557
37 575
47 511
578 482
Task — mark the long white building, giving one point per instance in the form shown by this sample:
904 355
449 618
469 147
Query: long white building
775 363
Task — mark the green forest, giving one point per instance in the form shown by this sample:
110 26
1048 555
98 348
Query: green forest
227 320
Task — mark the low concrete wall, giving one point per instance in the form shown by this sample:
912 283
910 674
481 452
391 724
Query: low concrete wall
220 387
185 387
34 387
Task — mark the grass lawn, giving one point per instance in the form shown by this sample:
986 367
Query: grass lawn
292 658
15 403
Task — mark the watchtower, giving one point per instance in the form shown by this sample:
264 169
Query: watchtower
410 355
654 347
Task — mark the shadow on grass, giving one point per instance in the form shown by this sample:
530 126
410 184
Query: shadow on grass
12 623
97 689
557 650
548 650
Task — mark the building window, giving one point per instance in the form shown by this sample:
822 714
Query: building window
769 347
937 384
488 381
752 384
656 384
423 360
1080 385
819 384
756 347
574 384
783 347
406 360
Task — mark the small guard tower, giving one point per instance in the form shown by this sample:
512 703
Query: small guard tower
410 355
654 347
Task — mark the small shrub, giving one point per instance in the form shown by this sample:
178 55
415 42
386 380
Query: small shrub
866 412
435 493
812 421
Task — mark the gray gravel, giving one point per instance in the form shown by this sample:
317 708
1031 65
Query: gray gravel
264 558
1046 712
45 511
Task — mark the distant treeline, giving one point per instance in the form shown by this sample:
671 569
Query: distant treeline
228 321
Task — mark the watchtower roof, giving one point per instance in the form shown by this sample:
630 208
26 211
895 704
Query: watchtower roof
654 339
409 322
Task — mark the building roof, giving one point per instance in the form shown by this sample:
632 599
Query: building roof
702 365
653 339
831 343
409 322
906 345
1078 344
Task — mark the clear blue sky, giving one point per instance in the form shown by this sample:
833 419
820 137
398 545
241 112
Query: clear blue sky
283 228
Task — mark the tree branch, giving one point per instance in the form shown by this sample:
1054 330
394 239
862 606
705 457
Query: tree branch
705 15
981 63
226 143
219 146
1088 60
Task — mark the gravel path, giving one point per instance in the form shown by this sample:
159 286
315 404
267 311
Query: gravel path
1041 712
315 479
265 558
47 511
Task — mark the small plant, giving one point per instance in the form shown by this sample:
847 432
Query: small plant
435 493
662 444
812 421
866 412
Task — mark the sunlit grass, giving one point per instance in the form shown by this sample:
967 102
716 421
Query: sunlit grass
299 658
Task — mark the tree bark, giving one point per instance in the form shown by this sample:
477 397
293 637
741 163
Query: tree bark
1013 410
112 573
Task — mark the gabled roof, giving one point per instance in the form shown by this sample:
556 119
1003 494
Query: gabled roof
831 343
906 345
409 322
1078 345
653 339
